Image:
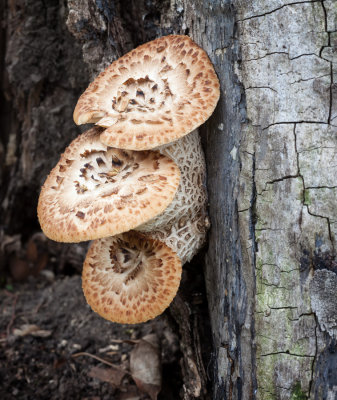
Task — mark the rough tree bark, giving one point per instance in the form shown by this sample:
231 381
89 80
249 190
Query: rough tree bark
271 263
287 199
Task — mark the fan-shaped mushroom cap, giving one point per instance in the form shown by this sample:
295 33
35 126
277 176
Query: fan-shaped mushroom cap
184 223
153 95
129 278
96 191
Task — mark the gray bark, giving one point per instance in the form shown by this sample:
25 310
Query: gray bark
288 152
270 146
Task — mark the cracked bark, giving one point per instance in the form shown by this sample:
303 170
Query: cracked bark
270 149
294 149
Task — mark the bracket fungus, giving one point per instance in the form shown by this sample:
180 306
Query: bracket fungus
180 230
109 182
153 95
129 278
95 191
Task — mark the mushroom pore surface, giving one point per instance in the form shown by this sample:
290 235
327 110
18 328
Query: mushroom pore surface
184 223
152 95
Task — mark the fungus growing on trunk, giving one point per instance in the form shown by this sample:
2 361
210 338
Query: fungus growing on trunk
181 229
130 278
96 191
184 223
151 96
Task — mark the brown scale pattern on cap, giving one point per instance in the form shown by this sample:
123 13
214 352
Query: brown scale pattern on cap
153 95
96 191
130 278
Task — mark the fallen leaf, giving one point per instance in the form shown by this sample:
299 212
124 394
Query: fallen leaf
145 365
110 375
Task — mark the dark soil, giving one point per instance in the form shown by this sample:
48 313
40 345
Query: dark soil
45 322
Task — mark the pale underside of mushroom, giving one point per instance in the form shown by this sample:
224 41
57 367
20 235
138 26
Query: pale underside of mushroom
129 278
184 223
185 240
133 277
96 191
153 95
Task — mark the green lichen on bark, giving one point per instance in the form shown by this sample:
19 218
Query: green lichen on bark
297 393
307 200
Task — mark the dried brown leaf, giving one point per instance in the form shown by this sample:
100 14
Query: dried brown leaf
145 365
110 375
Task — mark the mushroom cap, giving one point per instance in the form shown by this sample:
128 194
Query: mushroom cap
96 191
130 278
153 95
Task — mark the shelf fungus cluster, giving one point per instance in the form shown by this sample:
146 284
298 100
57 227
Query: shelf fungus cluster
135 182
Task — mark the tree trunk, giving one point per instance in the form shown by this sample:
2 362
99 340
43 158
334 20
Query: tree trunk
270 146
287 199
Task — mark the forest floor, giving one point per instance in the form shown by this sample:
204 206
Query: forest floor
53 346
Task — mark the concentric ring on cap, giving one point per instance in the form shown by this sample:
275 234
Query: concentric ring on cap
153 95
96 191
130 278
